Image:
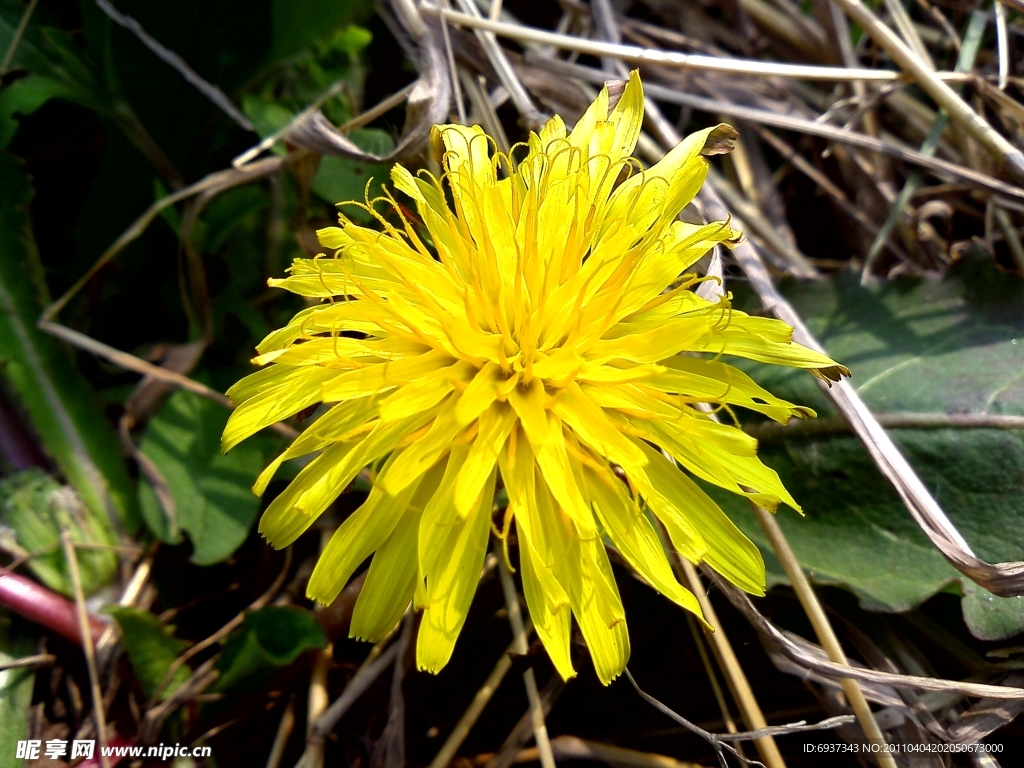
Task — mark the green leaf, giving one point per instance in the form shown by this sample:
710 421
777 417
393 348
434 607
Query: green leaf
300 25
15 691
270 638
25 96
37 508
227 212
341 181
151 649
351 39
55 71
44 50
950 346
60 404
211 491
267 116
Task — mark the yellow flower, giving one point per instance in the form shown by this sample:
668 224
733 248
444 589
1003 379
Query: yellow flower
538 335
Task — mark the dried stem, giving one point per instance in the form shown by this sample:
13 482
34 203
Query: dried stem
831 425
1004 579
356 687
224 631
284 731
476 707
700 641
212 92
801 125
316 704
574 748
35 662
965 63
747 213
1002 150
823 629
519 736
810 658
634 54
88 646
515 618
735 677
12 47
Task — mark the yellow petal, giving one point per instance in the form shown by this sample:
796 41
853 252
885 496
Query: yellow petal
633 535
478 396
382 376
553 462
451 583
357 538
439 514
280 395
590 423
721 455
596 604
424 392
426 450
682 506
320 482
334 424
390 582
545 597
495 424
765 340
714 382
548 606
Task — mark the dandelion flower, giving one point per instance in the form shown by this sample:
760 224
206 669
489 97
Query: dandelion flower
538 331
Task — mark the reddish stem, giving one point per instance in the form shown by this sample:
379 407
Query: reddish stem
116 740
41 605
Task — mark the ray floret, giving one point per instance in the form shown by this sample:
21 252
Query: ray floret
534 328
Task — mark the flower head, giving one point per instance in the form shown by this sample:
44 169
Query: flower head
539 332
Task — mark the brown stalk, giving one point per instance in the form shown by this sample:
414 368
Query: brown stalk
1007 155
88 646
476 707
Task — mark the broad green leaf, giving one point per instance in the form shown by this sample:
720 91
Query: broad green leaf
213 502
351 40
55 71
60 405
341 181
226 212
949 346
270 638
15 690
25 96
267 116
151 649
37 508
301 25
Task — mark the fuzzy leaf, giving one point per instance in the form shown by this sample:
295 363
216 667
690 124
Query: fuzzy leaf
949 346
60 405
212 500
151 649
270 638
15 690
37 507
